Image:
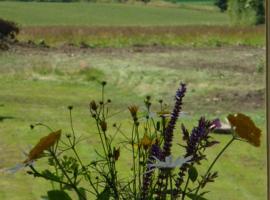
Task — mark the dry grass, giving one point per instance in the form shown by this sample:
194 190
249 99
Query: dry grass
132 36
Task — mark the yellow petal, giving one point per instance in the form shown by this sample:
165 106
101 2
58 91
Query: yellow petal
245 128
43 144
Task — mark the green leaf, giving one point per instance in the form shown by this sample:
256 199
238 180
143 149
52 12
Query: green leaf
83 193
197 197
193 173
50 175
57 195
105 194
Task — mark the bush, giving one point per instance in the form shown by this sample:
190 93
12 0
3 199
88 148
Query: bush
8 29
247 12
222 4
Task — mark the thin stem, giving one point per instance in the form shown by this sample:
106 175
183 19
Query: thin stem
44 125
133 160
185 189
171 187
37 174
84 168
212 164
81 196
71 125
139 155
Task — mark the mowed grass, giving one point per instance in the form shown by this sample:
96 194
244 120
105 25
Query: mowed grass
38 85
98 14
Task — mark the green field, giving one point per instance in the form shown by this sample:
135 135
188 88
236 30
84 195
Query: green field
139 50
125 25
38 85
91 14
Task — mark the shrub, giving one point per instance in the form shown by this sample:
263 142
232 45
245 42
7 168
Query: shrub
8 29
247 12
222 4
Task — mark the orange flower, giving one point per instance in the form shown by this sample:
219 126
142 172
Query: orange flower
245 128
133 111
44 144
147 142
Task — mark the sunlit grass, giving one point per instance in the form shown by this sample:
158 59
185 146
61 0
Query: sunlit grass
37 86
98 14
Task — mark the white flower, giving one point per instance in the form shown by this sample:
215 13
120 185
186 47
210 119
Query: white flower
169 163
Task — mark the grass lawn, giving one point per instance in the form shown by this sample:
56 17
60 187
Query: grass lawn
98 14
37 85
149 50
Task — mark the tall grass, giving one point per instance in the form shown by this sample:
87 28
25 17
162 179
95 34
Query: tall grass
145 36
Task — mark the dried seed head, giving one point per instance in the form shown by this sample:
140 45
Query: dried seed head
103 83
133 111
103 126
116 153
93 105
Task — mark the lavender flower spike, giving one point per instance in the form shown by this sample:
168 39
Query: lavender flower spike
168 136
147 177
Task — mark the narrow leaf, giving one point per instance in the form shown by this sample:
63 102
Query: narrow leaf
58 194
193 173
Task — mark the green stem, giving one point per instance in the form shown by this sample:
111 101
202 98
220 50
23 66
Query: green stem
139 155
37 174
171 186
84 168
81 196
184 193
133 160
211 166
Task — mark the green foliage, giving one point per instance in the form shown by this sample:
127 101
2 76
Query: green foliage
260 66
57 195
222 4
193 173
8 32
247 12
8 29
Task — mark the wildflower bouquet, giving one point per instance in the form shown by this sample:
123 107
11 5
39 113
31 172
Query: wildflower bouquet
155 174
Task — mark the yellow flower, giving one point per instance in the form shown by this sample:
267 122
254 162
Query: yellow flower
146 142
133 111
245 128
44 144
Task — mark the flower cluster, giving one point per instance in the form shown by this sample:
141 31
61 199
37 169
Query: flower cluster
154 172
168 135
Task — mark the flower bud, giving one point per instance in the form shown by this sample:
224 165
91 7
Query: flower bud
103 126
93 105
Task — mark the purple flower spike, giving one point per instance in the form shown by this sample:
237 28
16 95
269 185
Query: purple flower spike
168 136
147 177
